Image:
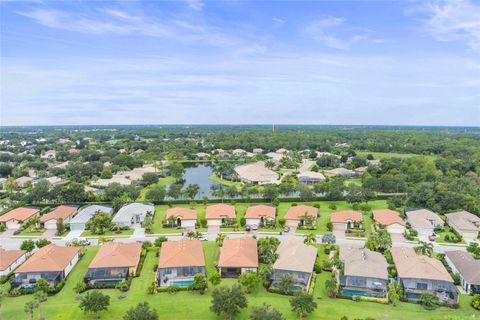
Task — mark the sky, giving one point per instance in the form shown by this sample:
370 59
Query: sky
240 62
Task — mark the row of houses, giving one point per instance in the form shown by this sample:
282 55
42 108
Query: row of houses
129 215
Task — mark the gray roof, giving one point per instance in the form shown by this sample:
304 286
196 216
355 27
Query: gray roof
468 267
361 262
464 220
125 214
294 255
86 213
423 218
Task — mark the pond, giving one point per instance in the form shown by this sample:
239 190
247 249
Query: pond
198 173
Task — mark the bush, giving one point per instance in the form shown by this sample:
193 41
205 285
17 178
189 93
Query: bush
123 286
158 242
243 221
329 226
281 222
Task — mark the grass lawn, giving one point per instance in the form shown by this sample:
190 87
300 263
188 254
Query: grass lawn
356 181
225 182
127 232
31 231
446 231
187 305
161 182
384 155
241 208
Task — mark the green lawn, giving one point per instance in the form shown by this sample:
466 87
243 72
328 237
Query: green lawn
384 155
187 305
127 232
161 182
225 182
241 208
31 231
441 236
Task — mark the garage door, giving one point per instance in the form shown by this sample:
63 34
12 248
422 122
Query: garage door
77 226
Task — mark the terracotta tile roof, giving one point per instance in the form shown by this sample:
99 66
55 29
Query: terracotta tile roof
218 211
239 252
344 216
181 253
467 266
387 217
260 210
63 212
409 264
294 255
19 214
49 258
184 213
7 257
297 212
117 254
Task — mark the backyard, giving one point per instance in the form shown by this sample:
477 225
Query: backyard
187 305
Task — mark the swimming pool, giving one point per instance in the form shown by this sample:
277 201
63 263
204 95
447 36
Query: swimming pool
352 293
183 283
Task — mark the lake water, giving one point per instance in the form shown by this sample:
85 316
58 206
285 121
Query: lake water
198 173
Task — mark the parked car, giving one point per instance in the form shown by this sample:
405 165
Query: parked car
247 228
254 227
286 229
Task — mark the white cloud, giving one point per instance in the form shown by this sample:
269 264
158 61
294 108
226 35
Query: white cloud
195 4
454 20
278 23
333 32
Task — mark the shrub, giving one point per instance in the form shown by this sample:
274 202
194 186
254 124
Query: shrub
329 226
243 221
158 242
281 222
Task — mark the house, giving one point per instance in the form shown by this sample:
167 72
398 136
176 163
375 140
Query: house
73 151
465 223
299 215
183 217
55 181
220 214
114 179
257 151
360 170
61 212
339 172
237 256
423 221
179 262
239 152
389 219
467 267
16 217
113 263
297 259
49 154
23 181
365 272
220 153
347 219
373 162
202 155
256 173
281 151
85 214
310 177
133 213
419 273
10 260
52 263
275 157
260 214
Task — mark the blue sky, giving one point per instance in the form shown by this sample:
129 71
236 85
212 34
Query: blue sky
240 62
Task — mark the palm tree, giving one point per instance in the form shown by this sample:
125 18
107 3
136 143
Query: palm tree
40 297
428 300
424 248
269 164
219 239
285 282
30 307
11 185
394 292
310 239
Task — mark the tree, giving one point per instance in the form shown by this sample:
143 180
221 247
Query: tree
215 278
266 312
158 242
250 281
192 190
30 307
42 285
27 245
329 237
310 239
42 243
228 302
175 191
270 192
199 283
428 300
302 304
476 302
424 248
220 238
267 249
94 302
176 170
40 297
379 241
99 223
141 312
156 193
149 178
474 249
285 282
331 287
60 227
305 193
394 292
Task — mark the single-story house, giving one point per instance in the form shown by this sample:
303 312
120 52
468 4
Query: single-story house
184 217
237 256
275 157
256 173
343 220
339 172
61 212
419 273
179 262
23 181
73 151
10 260
219 214
310 177
465 223
390 219
239 152
365 272
281 151
360 170
257 151
114 262
467 267
120 179
260 214
52 263
296 259
296 215
55 181
373 162
133 213
85 214
49 154
202 155
423 221
16 217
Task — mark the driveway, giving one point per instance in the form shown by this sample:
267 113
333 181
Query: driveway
74 234
339 232
397 238
7 234
213 230
48 234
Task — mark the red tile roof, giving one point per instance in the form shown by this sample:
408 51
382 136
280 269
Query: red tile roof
239 252
117 254
183 213
49 258
387 217
297 212
181 253
218 211
344 216
8 257
19 214
63 212
260 210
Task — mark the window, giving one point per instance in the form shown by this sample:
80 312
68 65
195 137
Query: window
422 286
